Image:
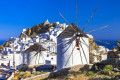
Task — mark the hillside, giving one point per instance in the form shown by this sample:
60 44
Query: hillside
33 31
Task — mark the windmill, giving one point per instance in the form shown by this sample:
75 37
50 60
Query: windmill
34 54
73 45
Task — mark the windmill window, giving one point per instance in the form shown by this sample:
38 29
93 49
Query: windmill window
47 55
51 58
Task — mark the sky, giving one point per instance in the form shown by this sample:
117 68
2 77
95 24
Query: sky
16 15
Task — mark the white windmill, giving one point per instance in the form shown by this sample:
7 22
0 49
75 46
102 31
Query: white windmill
35 55
73 45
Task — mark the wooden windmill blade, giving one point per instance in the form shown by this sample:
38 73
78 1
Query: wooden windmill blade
70 56
104 42
63 18
80 56
84 42
36 57
83 52
66 21
89 19
98 29
76 16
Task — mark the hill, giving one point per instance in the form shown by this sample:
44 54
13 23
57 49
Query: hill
33 31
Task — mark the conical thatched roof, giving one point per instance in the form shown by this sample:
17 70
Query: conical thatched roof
70 31
36 47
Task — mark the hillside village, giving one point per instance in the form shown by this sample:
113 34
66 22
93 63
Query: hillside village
48 40
38 46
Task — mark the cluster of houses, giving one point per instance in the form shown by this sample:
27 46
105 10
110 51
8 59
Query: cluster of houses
48 41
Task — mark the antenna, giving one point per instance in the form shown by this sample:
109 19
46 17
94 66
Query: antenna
89 19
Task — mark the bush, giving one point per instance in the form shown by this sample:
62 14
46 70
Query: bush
115 74
90 73
107 69
42 72
37 73
27 74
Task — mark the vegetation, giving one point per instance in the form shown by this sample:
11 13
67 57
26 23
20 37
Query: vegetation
107 69
90 73
37 73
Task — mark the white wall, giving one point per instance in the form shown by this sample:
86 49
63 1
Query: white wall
65 49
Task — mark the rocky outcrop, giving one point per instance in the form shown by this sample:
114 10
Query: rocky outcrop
38 29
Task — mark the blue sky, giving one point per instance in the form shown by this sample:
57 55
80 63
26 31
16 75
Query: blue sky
18 14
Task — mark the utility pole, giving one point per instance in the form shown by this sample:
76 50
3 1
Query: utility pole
13 56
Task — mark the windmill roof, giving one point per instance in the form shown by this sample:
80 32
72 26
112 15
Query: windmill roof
70 31
35 47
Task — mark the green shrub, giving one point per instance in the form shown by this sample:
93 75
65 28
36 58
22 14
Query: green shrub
115 74
90 73
107 69
37 73
42 72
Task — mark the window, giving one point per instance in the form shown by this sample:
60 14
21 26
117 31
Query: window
47 55
51 58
